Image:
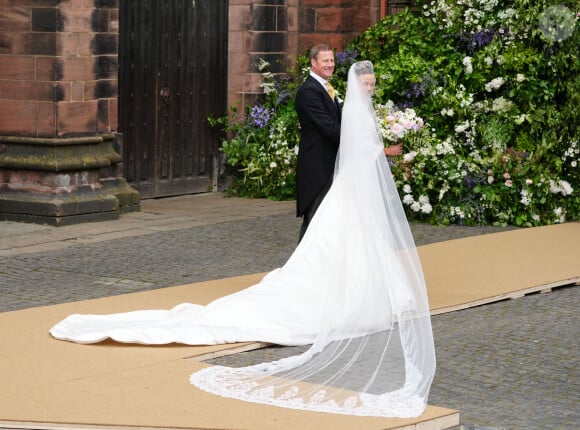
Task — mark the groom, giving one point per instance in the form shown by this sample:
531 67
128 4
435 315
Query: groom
319 116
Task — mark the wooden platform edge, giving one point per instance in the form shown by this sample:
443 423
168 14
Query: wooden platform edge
443 422
230 351
61 426
546 288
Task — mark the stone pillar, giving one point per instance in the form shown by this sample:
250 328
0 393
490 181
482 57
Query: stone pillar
60 155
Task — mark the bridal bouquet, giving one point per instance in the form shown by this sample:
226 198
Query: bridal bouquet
394 124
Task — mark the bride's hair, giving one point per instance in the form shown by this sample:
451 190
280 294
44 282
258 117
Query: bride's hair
363 68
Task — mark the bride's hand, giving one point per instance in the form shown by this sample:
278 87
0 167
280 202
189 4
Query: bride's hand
394 150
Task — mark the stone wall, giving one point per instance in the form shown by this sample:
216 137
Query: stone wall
58 68
60 154
281 30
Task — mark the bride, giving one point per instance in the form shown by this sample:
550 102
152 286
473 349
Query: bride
353 289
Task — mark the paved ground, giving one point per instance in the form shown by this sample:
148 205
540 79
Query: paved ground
509 365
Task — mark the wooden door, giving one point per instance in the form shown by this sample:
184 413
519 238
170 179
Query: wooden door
172 75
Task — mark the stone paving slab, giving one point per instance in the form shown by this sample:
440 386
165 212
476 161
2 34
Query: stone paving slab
511 365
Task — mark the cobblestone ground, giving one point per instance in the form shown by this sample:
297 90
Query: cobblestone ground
509 365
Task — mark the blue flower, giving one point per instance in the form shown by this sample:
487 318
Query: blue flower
282 96
346 57
260 115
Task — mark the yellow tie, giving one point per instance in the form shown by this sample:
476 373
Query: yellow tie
330 90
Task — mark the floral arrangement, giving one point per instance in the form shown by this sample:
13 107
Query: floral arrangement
502 142
394 124
484 96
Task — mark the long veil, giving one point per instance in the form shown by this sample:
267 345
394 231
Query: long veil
372 353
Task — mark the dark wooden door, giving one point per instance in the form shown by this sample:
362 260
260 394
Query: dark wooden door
172 75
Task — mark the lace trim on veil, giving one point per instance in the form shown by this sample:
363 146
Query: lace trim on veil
227 382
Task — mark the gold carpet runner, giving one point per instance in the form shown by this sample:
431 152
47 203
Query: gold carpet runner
49 384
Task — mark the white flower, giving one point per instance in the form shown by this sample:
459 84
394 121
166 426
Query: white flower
456 210
566 188
536 217
423 199
468 65
426 208
562 187
408 199
501 105
488 61
416 206
444 147
273 165
408 157
461 128
443 190
520 77
526 199
494 84
407 189
520 119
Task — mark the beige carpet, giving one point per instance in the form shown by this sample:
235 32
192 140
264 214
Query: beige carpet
52 384
482 269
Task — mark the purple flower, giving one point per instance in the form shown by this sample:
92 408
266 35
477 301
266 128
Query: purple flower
472 181
260 116
282 96
418 90
346 57
481 39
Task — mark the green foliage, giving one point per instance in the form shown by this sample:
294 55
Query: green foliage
496 83
264 141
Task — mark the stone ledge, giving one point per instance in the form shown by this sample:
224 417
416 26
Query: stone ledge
63 181
58 209
55 155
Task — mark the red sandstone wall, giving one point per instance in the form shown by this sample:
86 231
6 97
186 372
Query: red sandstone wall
58 59
58 67
334 22
300 23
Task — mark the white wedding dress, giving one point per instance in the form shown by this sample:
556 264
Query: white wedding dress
353 288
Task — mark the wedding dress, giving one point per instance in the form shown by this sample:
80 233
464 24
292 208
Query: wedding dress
353 289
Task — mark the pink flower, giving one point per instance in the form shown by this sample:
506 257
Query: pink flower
398 129
508 183
506 175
